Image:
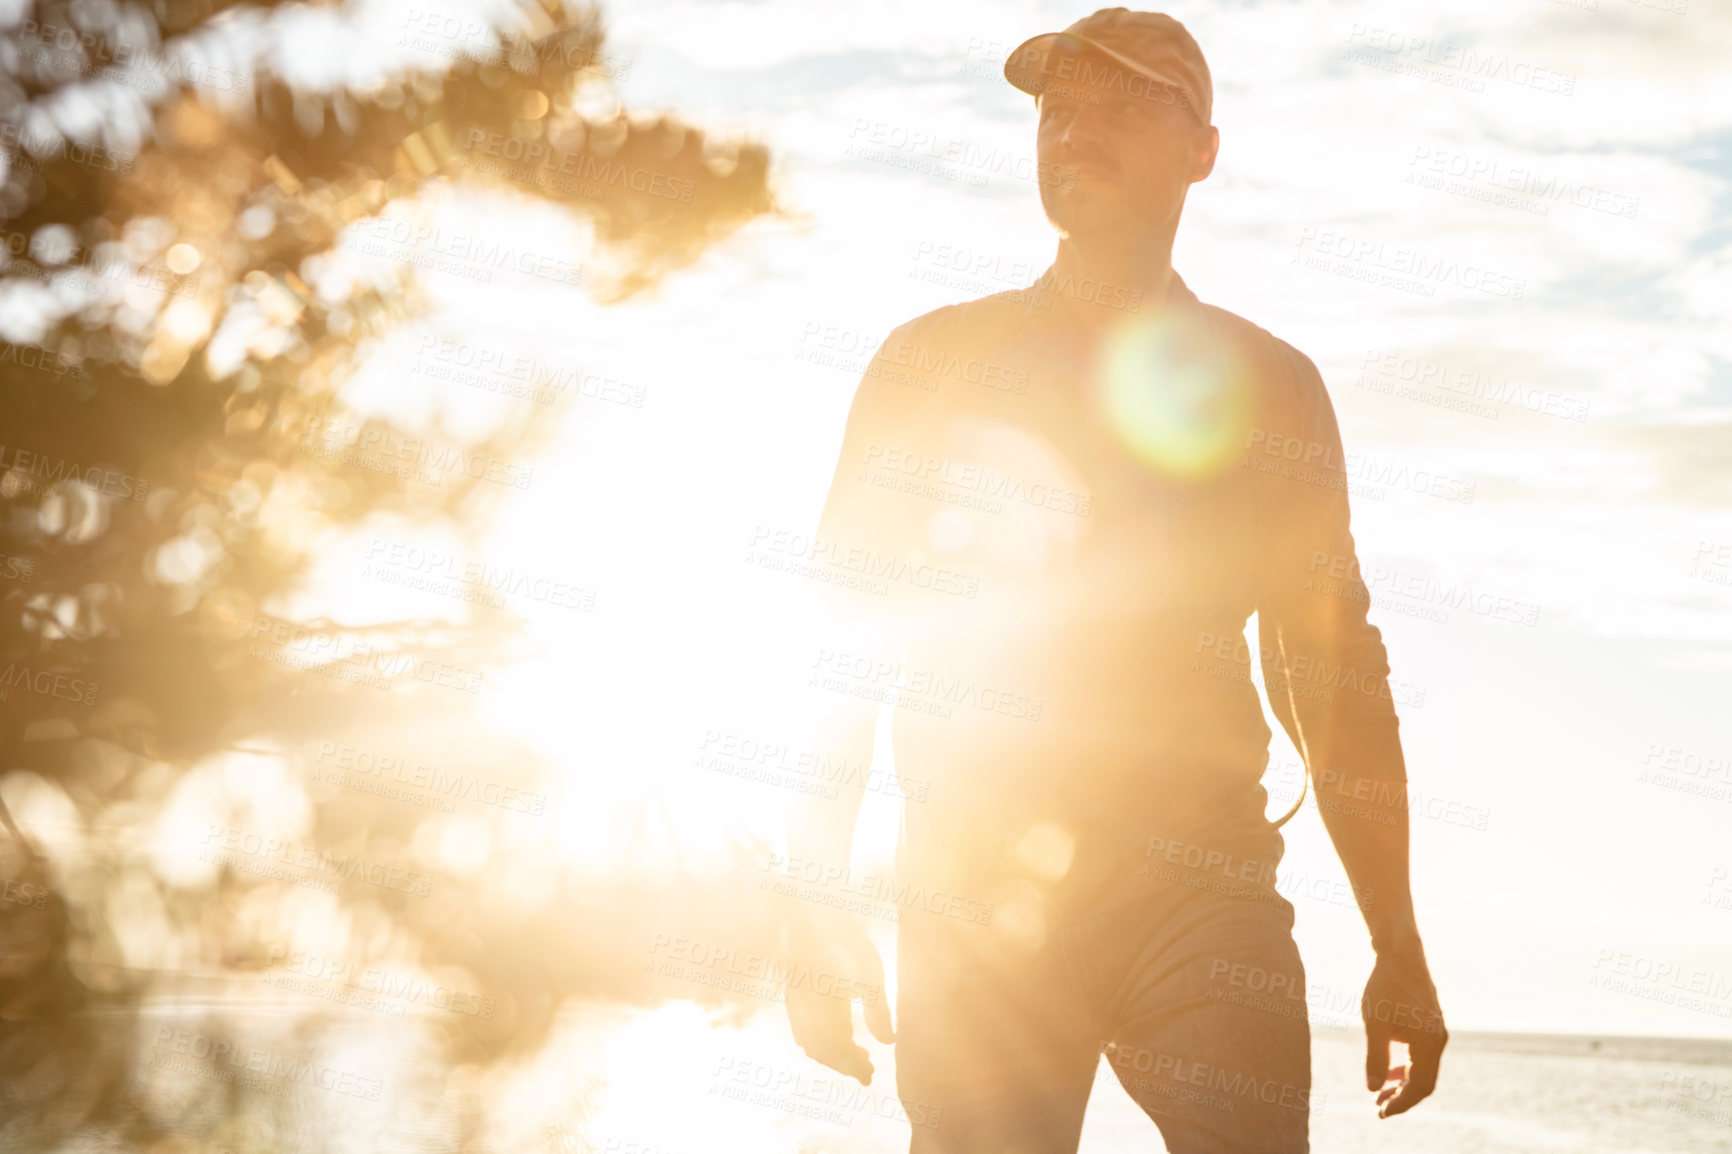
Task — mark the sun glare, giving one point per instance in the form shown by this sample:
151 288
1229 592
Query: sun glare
1170 401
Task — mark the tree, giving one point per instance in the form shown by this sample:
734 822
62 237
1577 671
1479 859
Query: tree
175 432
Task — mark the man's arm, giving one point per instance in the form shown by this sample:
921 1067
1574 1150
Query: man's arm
852 625
824 940
850 622
1327 677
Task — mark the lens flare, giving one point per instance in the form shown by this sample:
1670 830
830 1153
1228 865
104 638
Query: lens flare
1180 405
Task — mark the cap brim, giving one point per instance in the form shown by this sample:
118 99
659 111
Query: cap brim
1022 68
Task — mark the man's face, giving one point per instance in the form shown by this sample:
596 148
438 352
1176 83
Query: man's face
1132 156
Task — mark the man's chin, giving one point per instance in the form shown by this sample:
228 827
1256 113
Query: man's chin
1083 208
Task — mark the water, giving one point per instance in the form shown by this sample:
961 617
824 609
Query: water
682 1079
1520 1094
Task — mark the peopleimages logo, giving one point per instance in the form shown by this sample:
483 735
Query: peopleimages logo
1393 372
873 570
589 172
347 657
768 975
30 151
886 462
30 895
442 571
369 771
1663 980
460 35
1341 575
63 49
41 359
826 1099
278 1070
1313 462
1226 1084
1375 259
1083 77
916 689
1518 180
325 976
227 845
1315 670
46 683
495 368
35 471
387 451
1456 65
952 158
465 254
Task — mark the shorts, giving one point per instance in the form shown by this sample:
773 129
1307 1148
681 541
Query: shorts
1189 981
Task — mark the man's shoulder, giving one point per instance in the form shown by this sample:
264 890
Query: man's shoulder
1268 351
1288 388
984 318
914 362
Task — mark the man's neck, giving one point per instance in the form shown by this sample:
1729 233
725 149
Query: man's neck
1127 268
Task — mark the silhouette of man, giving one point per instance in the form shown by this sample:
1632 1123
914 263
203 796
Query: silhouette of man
1055 510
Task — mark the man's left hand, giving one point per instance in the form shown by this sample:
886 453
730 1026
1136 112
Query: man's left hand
1400 1005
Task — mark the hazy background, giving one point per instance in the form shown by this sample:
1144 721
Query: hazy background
1547 448
1609 531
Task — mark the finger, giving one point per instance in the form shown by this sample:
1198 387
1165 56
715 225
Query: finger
1409 1096
871 969
844 1058
1376 1055
824 1028
878 1018
1421 1079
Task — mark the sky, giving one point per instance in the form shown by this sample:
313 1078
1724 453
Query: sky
1498 229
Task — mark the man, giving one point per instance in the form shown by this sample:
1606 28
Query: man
1058 508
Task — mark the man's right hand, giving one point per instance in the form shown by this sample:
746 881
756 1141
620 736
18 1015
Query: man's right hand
1400 1005
823 1024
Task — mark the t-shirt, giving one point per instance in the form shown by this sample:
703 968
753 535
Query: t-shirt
1057 535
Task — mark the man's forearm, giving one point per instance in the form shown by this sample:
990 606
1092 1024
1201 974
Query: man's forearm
1367 820
822 828
1352 741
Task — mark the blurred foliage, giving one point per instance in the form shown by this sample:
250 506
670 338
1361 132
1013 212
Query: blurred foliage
171 341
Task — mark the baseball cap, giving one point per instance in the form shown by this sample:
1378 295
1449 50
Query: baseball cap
1138 47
